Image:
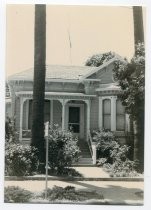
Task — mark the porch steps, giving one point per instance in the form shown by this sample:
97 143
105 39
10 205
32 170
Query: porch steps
85 158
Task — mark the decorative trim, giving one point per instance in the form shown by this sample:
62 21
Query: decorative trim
57 95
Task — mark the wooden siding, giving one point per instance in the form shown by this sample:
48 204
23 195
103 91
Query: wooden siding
57 113
94 114
17 113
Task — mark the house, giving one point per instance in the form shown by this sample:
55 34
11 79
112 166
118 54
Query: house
84 98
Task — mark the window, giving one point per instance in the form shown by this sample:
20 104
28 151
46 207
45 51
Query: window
120 116
107 114
46 112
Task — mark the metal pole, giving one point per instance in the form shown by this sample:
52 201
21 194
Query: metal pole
47 150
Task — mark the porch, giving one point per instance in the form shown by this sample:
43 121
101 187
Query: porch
68 111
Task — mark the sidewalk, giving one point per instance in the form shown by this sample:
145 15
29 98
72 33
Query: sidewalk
124 193
86 174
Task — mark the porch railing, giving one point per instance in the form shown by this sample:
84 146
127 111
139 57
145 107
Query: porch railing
92 147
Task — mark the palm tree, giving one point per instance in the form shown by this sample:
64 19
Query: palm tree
39 79
138 24
138 125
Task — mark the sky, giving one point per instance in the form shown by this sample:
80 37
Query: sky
92 30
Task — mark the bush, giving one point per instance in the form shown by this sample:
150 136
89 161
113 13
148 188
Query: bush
71 194
14 194
105 143
121 168
101 161
112 156
20 160
63 149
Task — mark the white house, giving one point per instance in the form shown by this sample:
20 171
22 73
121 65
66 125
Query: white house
84 98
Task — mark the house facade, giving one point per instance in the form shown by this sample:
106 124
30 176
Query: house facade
82 98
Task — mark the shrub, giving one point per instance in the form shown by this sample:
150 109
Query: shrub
112 156
101 161
70 193
105 143
20 160
120 153
14 194
63 149
121 168
71 172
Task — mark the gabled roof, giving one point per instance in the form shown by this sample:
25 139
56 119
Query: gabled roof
117 57
59 72
56 72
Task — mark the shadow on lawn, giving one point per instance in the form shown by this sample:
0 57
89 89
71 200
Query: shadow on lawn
113 193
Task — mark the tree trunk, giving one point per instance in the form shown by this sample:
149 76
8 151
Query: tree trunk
138 125
138 24
39 79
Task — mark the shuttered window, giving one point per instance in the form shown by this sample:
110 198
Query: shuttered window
120 116
107 114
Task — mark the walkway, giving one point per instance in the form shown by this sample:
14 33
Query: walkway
92 172
129 192
113 192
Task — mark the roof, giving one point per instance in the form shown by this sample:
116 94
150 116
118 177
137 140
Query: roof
64 72
105 64
56 72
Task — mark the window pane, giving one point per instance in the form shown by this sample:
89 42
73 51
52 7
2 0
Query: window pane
119 107
107 106
120 116
107 114
120 122
107 122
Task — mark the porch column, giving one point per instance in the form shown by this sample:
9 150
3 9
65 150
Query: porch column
63 101
88 116
113 113
100 117
27 113
22 100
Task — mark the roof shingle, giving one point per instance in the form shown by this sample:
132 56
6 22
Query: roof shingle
56 72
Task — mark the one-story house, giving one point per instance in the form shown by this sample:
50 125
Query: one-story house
82 97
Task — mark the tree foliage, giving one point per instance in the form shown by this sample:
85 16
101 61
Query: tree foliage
99 59
131 77
63 149
20 160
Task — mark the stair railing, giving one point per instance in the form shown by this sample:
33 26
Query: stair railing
92 147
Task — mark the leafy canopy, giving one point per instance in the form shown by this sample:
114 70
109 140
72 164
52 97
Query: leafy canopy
99 59
131 78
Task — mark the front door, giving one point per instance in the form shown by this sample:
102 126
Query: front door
76 120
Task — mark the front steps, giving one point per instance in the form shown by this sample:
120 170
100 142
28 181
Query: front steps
85 156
